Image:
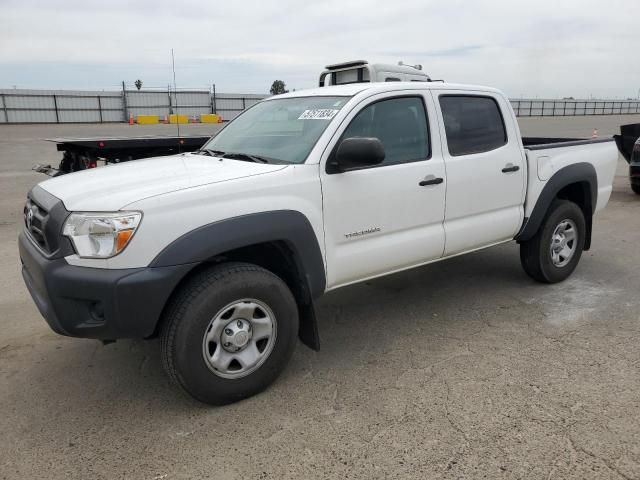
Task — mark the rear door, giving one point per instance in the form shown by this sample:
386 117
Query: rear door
387 217
485 166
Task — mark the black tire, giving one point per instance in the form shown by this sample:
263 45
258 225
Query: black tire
535 254
636 188
188 317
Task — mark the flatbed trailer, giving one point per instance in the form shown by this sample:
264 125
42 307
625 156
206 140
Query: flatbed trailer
82 153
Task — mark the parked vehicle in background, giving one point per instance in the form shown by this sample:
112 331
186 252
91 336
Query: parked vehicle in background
360 71
634 168
84 153
629 145
222 252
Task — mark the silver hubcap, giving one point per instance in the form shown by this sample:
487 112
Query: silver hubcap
239 338
563 243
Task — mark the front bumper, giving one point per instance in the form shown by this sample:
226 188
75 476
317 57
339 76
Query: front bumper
94 302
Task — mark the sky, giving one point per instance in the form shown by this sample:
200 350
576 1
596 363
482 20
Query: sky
541 48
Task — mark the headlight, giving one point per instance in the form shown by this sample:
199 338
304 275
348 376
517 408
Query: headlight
101 235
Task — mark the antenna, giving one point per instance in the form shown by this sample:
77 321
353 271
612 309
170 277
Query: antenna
175 92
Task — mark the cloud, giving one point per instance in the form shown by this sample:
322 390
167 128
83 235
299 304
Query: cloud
570 48
461 51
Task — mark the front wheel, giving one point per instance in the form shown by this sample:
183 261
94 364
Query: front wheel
554 251
229 332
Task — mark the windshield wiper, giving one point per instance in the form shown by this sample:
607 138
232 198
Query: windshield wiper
245 157
211 153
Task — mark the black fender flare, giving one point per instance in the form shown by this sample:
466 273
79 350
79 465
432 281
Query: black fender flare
577 173
289 226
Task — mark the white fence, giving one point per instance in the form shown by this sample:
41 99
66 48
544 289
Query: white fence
65 106
572 107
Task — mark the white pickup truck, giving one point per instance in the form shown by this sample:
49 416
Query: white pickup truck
221 252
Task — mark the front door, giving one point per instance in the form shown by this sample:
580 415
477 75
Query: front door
387 217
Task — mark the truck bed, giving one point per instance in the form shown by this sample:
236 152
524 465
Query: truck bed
547 156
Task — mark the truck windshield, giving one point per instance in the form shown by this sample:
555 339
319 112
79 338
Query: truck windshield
279 130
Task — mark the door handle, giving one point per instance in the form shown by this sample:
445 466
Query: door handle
431 180
510 167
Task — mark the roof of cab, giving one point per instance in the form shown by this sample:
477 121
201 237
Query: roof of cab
352 89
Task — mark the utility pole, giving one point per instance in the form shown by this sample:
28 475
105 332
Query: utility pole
125 108
214 107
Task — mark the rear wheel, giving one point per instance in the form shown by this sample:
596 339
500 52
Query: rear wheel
636 188
229 332
554 251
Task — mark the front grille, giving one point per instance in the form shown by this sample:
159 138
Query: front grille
35 221
44 217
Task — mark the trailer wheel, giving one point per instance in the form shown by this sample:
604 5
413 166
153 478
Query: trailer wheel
229 332
554 251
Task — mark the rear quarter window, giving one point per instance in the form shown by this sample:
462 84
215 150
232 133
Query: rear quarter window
473 124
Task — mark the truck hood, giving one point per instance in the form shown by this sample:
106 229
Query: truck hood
112 187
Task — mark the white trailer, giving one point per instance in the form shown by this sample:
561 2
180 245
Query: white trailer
360 71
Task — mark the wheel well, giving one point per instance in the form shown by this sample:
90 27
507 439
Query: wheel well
580 194
279 258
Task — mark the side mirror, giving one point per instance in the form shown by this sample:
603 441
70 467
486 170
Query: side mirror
358 152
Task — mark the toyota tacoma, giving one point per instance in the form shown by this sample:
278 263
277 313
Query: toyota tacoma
222 252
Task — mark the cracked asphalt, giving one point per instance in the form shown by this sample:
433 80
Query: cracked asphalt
459 370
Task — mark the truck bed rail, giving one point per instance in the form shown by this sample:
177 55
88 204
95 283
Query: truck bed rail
541 143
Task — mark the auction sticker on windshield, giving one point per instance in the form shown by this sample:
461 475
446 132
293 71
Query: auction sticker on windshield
318 114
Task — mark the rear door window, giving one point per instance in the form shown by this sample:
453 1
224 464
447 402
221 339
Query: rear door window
473 124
